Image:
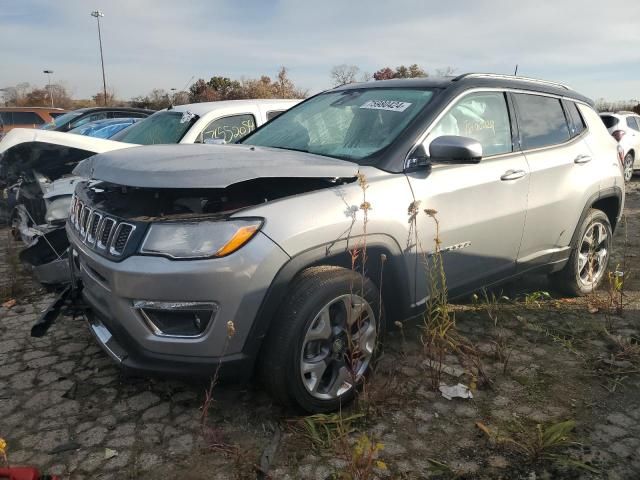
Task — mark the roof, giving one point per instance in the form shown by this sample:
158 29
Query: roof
30 109
114 109
205 107
472 80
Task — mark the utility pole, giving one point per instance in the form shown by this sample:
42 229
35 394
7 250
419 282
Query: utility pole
97 14
49 72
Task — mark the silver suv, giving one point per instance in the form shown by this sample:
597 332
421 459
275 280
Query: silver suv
192 256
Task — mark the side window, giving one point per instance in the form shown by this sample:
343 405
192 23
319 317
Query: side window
273 114
27 118
577 125
541 121
6 118
89 118
230 129
633 123
481 116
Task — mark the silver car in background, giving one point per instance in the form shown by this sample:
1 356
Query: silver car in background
193 256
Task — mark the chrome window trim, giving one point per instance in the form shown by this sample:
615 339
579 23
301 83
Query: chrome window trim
452 103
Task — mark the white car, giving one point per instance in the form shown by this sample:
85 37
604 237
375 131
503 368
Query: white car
625 128
36 165
210 122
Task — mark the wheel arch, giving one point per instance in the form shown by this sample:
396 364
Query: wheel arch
385 267
609 201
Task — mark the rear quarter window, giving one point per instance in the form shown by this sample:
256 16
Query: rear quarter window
576 122
541 121
609 120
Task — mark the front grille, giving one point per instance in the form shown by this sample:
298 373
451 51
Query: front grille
98 230
120 238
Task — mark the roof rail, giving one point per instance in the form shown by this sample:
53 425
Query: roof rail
626 112
511 77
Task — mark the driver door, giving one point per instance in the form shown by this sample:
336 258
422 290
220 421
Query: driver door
481 207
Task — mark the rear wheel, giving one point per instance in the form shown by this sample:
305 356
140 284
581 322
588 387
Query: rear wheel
323 341
589 258
628 167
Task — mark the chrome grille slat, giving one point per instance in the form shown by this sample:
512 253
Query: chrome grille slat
92 228
104 233
98 230
120 238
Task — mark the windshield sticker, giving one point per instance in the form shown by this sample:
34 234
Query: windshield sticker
390 105
187 117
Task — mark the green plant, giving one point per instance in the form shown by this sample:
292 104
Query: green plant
324 431
541 443
535 299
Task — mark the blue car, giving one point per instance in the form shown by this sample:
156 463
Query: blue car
104 128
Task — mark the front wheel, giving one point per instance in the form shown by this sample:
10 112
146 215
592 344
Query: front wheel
323 340
628 167
589 258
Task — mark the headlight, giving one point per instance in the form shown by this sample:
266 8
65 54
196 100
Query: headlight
199 239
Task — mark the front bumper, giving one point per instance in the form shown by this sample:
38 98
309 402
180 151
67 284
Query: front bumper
236 283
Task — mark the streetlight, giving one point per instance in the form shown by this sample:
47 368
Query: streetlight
97 14
49 72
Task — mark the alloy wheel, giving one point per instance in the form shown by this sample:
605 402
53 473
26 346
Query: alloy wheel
338 347
593 254
628 167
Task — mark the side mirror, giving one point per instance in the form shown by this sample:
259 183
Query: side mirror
455 149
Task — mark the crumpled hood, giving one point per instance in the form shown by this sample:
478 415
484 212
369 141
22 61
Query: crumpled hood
91 144
207 166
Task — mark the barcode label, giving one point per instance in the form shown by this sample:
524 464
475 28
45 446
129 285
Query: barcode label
391 105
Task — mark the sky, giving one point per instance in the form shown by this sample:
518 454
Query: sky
589 44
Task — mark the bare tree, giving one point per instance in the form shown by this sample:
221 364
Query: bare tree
445 72
344 74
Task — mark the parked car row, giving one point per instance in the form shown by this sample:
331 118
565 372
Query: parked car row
26 117
192 257
36 165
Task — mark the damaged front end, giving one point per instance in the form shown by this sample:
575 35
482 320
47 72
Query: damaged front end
42 230
35 173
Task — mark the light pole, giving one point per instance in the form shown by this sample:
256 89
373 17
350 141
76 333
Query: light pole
49 72
97 14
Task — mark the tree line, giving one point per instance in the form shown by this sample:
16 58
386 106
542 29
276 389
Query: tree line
225 88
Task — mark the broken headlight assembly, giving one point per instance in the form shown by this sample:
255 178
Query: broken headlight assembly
203 239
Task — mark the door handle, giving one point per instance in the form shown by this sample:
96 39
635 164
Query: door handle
513 175
582 159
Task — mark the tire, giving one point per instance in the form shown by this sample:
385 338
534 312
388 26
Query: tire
628 167
300 336
587 265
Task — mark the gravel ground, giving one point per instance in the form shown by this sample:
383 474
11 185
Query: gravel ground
67 409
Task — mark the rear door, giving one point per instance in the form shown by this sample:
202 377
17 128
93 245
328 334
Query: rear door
480 207
563 175
633 123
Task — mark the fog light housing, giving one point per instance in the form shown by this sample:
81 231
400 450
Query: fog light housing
177 319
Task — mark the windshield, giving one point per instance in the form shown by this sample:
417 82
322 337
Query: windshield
61 120
349 124
160 128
